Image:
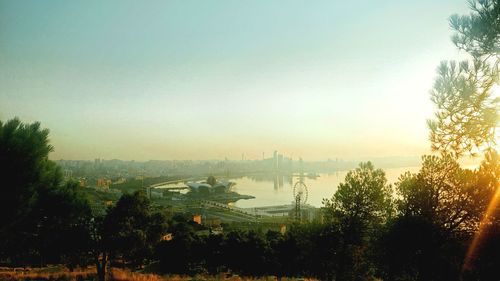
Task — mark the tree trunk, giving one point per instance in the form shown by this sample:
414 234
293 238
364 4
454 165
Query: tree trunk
101 267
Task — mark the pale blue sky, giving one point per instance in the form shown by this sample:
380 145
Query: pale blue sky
213 79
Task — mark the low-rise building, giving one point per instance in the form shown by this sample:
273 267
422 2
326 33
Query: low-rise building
197 219
167 237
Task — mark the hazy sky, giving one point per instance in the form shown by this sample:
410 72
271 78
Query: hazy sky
213 79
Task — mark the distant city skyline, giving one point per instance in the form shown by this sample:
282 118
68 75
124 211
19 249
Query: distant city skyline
209 80
270 156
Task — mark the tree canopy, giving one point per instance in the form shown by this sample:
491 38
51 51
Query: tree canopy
40 214
364 196
467 111
443 193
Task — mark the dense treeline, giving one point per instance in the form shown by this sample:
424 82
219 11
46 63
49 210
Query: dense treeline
420 229
304 250
423 233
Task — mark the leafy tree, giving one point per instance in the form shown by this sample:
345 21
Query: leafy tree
275 265
489 175
178 255
24 150
131 230
319 249
99 247
364 196
486 260
255 248
211 180
465 122
63 216
414 248
481 260
287 253
467 112
234 247
444 193
215 259
479 32
360 206
40 215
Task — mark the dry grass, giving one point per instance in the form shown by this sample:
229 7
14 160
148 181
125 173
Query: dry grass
45 274
115 274
126 275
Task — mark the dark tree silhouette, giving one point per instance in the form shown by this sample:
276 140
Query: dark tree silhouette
40 215
486 260
131 230
414 248
24 151
178 255
444 193
488 176
63 217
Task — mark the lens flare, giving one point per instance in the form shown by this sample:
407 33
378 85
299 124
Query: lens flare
482 226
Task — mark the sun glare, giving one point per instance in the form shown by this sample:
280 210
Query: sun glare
485 222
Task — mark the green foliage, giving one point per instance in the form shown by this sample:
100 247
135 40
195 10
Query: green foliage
180 255
444 193
467 112
365 196
488 177
305 250
63 216
131 184
359 207
486 259
414 248
479 32
41 216
131 230
211 180
24 150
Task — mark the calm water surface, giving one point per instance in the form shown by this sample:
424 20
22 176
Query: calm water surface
277 190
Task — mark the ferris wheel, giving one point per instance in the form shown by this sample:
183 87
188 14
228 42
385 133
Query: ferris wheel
300 192
300 195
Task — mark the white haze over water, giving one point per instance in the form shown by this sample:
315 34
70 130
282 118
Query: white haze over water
322 187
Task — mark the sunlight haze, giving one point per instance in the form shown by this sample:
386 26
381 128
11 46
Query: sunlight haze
209 80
